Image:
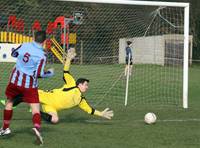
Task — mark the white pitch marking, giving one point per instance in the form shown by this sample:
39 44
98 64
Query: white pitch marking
166 120
179 120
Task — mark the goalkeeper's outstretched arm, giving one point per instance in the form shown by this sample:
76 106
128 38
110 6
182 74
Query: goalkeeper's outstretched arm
106 113
67 64
67 77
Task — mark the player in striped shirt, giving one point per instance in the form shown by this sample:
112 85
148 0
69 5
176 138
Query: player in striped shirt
23 81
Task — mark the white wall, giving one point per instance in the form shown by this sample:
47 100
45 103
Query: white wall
5 52
146 50
151 49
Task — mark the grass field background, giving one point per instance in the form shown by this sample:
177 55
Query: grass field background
176 127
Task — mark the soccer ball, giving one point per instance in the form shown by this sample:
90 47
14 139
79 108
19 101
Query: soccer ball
150 118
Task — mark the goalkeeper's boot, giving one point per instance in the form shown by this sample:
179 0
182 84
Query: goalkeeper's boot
45 116
39 139
4 132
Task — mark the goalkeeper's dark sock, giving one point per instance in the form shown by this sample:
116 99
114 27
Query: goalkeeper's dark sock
6 118
17 101
36 120
47 117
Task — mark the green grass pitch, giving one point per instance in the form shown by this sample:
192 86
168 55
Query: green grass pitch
175 128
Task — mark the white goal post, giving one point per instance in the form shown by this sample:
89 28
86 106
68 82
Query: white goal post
186 31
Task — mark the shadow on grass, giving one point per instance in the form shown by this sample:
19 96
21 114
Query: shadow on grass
7 137
72 118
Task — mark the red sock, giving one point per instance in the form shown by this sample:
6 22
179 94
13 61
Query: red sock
6 118
36 120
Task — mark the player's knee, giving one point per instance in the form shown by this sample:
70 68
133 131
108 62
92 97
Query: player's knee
35 108
9 104
35 111
54 120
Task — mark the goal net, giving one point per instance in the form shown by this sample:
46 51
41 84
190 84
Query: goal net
99 32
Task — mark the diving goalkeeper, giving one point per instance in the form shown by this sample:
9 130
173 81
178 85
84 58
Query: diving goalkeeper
68 96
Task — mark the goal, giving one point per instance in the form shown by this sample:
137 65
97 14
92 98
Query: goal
99 30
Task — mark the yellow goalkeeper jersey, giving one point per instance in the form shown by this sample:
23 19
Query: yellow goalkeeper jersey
65 97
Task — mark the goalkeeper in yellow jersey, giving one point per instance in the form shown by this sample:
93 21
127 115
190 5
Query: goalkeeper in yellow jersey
68 96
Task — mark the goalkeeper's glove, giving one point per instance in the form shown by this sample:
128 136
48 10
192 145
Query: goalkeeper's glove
71 53
107 113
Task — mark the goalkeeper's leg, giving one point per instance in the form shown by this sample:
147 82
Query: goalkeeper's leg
50 117
49 114
17 100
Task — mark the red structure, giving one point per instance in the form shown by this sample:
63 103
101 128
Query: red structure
59 20
50 28
19 25
16 24
36 26
60 23
11 21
